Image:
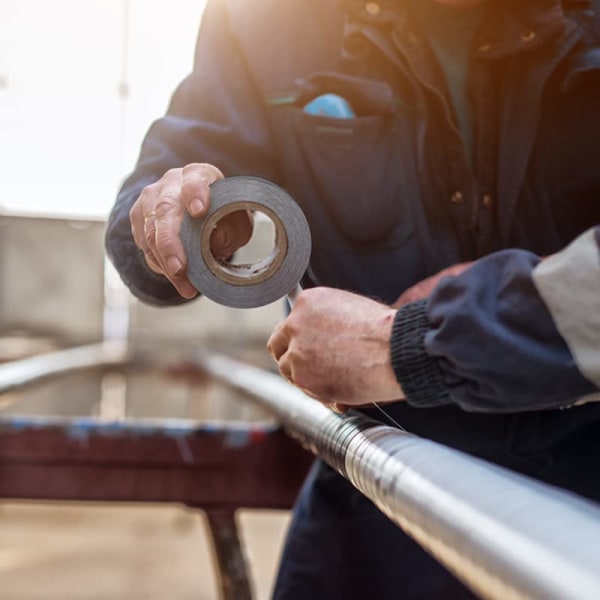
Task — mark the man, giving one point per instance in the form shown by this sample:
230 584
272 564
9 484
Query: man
472 129
465 344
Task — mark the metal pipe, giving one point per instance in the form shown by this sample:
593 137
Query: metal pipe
505 535
18 373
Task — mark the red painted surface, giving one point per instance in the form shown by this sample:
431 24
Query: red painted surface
200 468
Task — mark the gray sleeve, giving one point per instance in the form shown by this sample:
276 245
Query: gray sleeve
569 284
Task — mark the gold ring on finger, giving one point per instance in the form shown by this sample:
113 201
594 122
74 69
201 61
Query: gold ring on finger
149 215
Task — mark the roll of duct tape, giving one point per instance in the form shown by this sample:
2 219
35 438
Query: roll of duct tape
260 283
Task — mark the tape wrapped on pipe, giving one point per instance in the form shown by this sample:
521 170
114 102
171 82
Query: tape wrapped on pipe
260 283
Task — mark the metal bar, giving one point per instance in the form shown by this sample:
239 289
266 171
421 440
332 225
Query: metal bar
18 373
503 534
233 568
203 463
210 466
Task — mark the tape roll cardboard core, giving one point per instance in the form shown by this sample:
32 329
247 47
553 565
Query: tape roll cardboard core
259 283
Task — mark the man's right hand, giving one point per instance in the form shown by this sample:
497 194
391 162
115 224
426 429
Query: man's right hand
423 289
157 214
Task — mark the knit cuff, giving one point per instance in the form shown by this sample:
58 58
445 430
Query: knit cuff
418 373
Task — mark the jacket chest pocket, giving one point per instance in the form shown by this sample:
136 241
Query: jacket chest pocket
344 164
355 168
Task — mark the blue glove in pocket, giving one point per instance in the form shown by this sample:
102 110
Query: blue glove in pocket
330 105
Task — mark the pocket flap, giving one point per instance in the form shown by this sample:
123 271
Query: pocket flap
368 97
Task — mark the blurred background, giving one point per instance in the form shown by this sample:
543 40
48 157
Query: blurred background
80 82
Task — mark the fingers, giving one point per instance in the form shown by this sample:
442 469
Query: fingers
142 225
150 233
280 349
169 211
277 344
195 187
234 230
156 219
231 233
334 346
162 233
285 368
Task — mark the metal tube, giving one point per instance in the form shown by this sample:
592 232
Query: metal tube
505 535
16 374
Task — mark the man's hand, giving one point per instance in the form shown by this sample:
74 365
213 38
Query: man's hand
156 218
335 346
423 289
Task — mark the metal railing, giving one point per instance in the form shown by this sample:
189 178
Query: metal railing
505 535
91 443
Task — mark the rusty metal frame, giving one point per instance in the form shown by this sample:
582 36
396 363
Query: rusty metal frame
216 466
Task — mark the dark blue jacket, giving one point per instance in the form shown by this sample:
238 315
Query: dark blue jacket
512 333
390 195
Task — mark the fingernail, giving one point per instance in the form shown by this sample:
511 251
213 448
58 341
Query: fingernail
175 266
197 206
188 291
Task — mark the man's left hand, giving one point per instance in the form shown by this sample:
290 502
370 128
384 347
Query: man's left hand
335 346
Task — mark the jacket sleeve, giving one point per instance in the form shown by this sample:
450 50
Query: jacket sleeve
216 115
512 333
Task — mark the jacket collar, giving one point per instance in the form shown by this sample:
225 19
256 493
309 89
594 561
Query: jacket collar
512 26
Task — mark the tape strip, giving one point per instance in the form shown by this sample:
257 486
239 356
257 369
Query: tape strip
248 285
